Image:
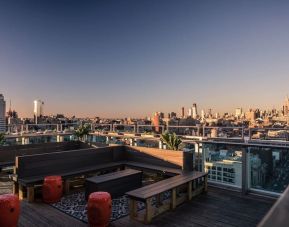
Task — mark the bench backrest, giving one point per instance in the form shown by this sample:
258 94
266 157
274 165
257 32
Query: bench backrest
62 162
154 156
8 153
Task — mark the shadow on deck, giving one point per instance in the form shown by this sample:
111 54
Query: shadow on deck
216 208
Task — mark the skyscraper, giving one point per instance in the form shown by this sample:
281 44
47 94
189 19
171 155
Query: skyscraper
183 112
38 110
156 121
190 112
286 107
203 114
238 112
194 111
2 114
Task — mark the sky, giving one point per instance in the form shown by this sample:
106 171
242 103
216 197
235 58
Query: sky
134 57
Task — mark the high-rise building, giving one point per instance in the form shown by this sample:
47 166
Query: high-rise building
2 114
38 110
194 111
173 114
202 114
190 112
156 121
251 115
183 112
238 112
286 107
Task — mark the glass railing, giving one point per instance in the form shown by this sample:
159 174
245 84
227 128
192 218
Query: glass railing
224 132
223 163
268 168
277 134
185 130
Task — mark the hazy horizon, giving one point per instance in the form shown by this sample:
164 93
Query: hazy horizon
132 58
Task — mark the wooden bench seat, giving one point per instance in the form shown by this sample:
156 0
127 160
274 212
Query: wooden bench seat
195 183
116 183
155 168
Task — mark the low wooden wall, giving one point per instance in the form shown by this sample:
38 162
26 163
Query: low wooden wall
58 162
154 156
8 153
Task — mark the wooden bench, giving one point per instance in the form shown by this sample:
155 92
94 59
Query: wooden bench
116 183
153 168
74 166
193 182
31 170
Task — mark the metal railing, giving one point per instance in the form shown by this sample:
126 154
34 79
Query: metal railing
253 165
240 133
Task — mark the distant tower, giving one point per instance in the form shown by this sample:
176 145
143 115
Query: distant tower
203 114
2 114
38 110
286 107
194 111
156 121
190 112
238 112
183 112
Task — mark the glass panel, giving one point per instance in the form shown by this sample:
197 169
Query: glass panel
268 168
224 162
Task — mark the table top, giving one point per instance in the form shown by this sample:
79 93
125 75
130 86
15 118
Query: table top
113 176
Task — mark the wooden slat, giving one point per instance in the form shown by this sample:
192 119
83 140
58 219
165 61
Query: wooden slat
8 153
164 185
112 176
157 168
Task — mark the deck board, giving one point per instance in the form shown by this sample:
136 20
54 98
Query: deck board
218 208
43 215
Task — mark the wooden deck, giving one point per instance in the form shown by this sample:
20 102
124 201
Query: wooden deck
218 207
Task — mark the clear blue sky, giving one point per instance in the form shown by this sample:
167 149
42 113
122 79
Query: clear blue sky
131 58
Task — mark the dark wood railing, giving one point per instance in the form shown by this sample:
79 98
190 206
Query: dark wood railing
278 216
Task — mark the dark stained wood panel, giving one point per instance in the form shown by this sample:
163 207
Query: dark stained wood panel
8 153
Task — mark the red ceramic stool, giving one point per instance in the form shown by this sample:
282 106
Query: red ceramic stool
9 210
99 209
52 189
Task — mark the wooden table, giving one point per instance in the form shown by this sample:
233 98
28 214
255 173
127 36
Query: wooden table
116 183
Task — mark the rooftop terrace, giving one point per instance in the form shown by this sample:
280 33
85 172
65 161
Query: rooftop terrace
218 207
222 205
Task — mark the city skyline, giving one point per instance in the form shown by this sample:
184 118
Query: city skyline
188 110
119 59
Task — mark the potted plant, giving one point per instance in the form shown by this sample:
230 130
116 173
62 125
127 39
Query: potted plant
82 132
171 140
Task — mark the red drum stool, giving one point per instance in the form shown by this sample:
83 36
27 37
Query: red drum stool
99 209
9 210
52 189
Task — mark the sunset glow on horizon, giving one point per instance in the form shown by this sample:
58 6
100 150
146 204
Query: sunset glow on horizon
132 58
